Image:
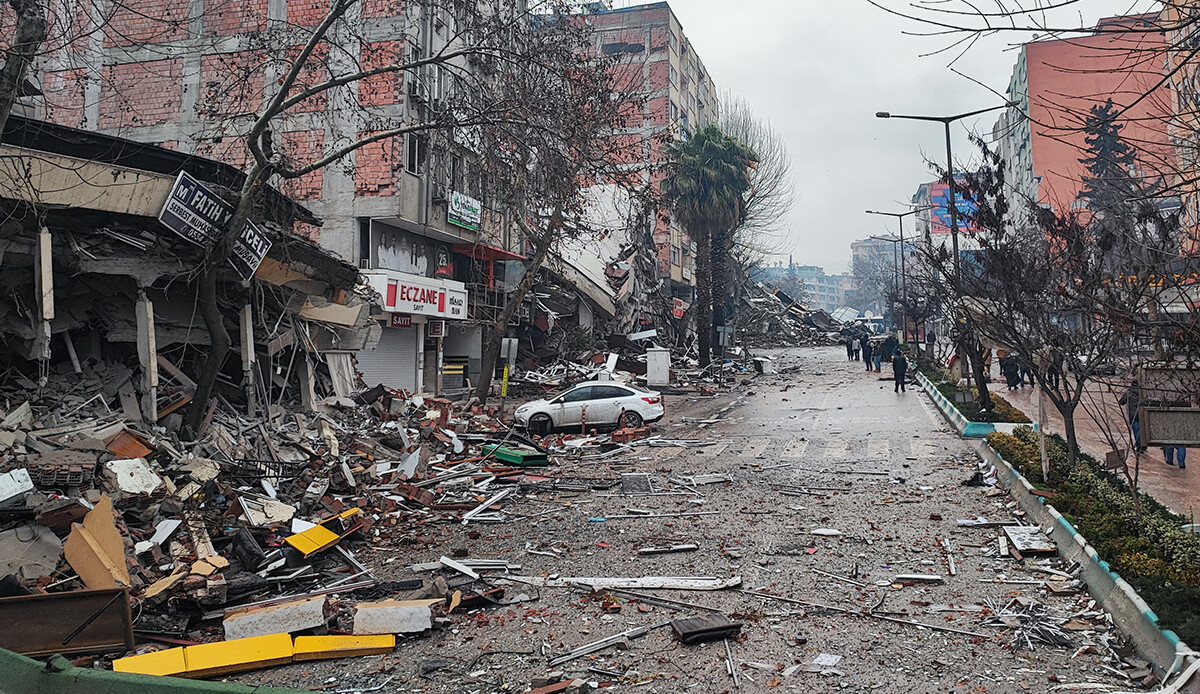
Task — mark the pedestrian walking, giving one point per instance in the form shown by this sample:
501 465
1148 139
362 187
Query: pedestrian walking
899 370
1173 453
1024 370
866 352
849 349
1011 371
1132 400
877 355
857 342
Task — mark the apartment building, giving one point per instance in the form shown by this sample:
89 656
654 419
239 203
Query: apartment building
680 99
1054 84
408 211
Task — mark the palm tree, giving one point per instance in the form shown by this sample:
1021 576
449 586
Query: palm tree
707 179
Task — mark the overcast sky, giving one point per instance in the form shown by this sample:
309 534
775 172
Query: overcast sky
818 72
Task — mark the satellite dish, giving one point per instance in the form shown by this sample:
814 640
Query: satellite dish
868 314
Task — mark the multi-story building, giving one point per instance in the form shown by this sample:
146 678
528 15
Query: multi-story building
1054 85
408 211
680 99
1183 72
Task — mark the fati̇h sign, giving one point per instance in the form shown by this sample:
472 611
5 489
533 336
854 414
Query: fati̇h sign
194 212
464 211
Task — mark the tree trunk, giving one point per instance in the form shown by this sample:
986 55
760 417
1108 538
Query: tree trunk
210 311
1068 415
495 331
704 295
720 278
218 349
975 359
27 38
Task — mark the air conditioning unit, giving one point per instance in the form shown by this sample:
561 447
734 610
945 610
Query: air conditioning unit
418 90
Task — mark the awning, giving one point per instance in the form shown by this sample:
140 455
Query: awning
482 251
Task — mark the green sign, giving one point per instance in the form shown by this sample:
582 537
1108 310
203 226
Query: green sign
464 211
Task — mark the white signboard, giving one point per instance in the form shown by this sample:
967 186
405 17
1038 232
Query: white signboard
421 296
464 211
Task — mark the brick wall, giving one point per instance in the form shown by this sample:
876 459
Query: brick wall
301 147
313 73
231 84
376 167
136 22
306 12
228 17
385 89
64 96
139 94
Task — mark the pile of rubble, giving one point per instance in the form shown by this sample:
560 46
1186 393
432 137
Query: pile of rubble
769 317
121 537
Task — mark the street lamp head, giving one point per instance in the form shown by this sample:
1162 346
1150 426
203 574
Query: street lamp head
882 114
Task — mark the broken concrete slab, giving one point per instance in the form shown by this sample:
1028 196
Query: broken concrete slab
394 617
288 617
29 551
14 486
133 476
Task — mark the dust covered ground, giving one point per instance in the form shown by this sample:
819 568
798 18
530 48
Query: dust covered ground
822 446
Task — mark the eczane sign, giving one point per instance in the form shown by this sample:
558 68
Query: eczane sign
422 296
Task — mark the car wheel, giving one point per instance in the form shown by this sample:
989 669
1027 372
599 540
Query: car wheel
540 424
631 420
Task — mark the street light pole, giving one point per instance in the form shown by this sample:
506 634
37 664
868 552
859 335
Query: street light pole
903 270
965 347
895 269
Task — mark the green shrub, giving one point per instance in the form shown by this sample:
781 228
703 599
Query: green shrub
1002 410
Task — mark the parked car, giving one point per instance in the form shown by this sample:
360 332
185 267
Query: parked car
595 403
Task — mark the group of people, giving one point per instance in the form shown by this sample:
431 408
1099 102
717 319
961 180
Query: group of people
874 354
1132 400
1015 368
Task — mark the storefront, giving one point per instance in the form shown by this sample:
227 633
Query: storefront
417 311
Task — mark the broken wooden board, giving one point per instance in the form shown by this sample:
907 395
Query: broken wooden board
643 583
1029 539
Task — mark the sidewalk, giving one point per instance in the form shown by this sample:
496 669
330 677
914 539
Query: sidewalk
1178 490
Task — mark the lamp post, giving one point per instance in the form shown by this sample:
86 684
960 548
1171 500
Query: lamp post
953 203
966 347
903 271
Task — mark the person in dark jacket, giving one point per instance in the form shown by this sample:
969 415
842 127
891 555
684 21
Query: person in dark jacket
849 349
866 351
1011 368
889 346
899 370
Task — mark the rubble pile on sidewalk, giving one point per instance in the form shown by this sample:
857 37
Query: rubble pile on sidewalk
771 318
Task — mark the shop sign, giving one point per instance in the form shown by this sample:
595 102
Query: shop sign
464 211
677 308
421 296
401 320
435 328
248 250
194 212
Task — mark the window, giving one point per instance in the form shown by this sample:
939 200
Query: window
610 392
579 395
674 255
415 153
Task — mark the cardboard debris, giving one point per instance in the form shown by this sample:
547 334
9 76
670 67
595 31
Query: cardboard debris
95 550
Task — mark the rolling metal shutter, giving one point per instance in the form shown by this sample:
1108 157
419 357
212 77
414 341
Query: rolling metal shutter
393 362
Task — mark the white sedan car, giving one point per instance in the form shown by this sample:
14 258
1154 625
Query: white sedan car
595 403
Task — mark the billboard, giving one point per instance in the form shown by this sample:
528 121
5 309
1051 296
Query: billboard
939 215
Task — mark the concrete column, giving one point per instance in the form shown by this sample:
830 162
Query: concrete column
246 324
147 356
43 281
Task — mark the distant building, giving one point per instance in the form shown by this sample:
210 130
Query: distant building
826 292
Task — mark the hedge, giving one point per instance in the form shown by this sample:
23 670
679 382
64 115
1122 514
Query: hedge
1147 547
1002 410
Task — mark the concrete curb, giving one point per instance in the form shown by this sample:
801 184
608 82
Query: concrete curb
1161 647
965 427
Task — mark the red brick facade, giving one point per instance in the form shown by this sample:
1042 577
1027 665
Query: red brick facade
376 167
141 94
64 96
301 147
141 22
387 88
